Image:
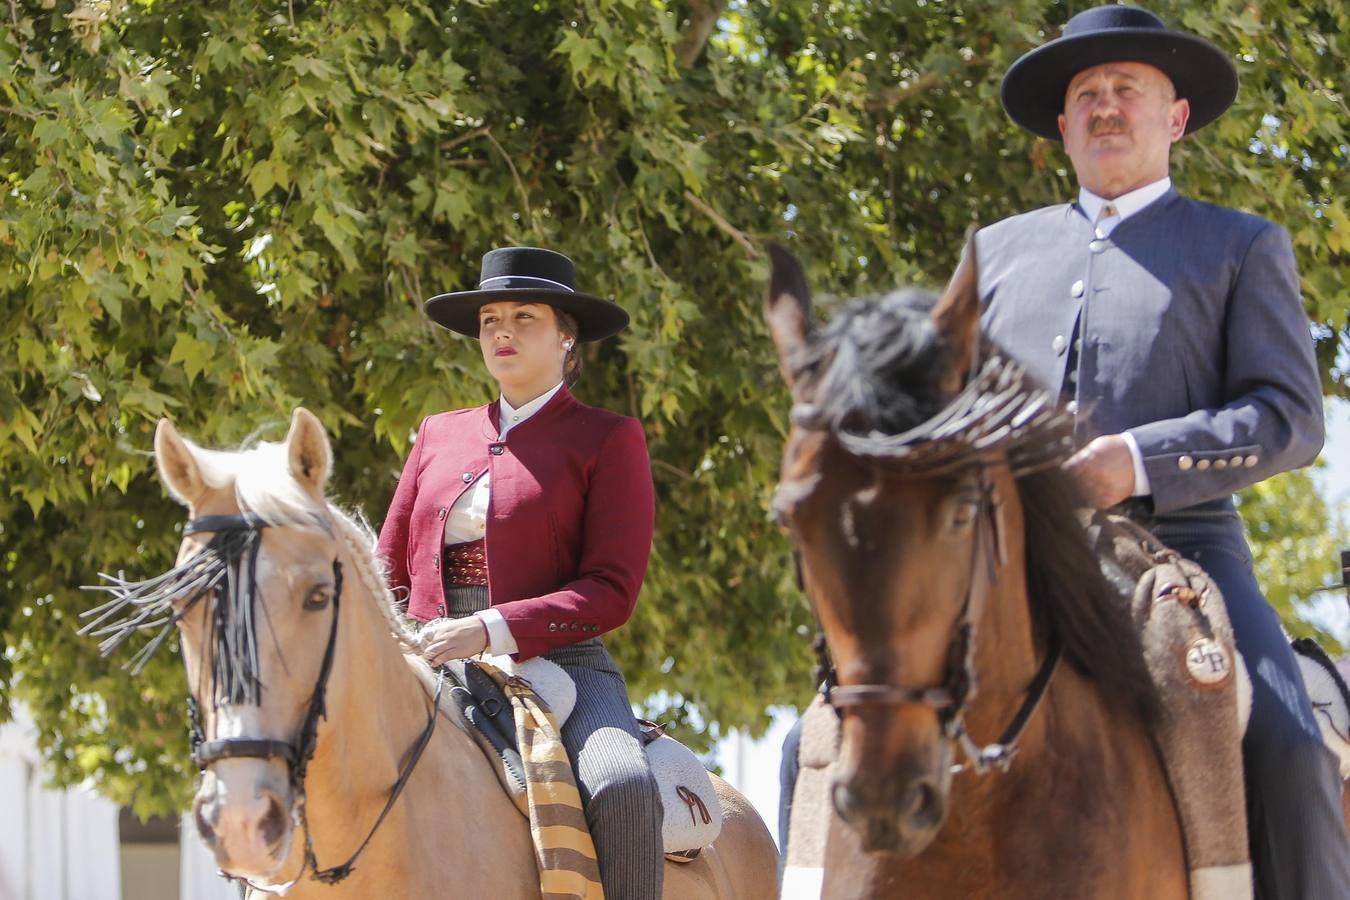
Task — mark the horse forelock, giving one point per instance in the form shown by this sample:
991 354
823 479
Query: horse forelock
874 367
265 487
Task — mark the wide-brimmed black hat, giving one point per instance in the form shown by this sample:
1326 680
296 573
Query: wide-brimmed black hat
1035 85
529 275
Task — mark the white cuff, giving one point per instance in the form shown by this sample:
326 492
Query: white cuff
500 640
1142 487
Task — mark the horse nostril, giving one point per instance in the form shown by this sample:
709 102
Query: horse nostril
922 805
272 826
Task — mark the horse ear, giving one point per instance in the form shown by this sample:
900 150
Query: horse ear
957 317
311 459
788 308
178 466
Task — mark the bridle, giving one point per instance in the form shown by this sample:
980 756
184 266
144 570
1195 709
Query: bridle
297 754
990 414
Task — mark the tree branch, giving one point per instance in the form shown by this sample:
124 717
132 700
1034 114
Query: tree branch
1321 88
667 467
703 16
520 186
893 96
735 233
465 138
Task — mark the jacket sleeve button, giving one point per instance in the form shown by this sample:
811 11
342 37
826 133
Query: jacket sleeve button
1202 465
552 626
1250 461
1184 463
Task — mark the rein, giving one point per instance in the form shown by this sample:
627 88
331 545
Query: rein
297 755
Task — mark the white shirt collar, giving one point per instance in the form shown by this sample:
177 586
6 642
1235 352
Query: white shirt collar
1126 204
511 417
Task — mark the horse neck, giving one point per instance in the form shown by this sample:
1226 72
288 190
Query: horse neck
378 704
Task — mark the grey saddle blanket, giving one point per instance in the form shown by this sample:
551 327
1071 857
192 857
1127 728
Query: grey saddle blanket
1192 657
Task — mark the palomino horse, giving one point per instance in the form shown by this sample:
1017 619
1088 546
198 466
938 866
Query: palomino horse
297 649
938 543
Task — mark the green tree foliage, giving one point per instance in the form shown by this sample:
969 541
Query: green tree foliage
216 211
1296 537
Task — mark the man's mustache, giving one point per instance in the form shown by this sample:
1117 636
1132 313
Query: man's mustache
1106 123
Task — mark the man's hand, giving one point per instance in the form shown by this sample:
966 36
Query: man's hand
447 639
1104 470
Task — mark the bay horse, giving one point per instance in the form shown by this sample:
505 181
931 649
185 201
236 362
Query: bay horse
293 647
939 544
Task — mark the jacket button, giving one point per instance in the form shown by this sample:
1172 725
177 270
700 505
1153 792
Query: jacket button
440 513
1250 461
436 563
1235 462
467 476
1077 289
1220 463
1059 344
1071 407
1097 246
496 449
1202 465
440 609
1184 463
552 626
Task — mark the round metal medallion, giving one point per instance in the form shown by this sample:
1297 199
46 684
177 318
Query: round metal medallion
1208 662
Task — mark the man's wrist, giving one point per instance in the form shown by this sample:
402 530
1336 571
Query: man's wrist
1142 486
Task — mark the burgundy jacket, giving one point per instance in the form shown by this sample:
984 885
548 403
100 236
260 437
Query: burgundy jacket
569 526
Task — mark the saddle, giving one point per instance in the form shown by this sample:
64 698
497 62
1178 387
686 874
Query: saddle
693 813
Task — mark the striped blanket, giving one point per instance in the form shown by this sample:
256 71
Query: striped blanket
562 842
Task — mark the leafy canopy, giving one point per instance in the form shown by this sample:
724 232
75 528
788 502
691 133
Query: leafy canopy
217 211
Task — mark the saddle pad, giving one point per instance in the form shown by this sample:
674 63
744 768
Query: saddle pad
1192 658
692 811
693 814
1329 696
812 807
553 685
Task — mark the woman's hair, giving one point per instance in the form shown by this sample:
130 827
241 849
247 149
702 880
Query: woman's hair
567 324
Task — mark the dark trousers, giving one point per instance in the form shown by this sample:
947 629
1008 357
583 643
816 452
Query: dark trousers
619 793
1296 824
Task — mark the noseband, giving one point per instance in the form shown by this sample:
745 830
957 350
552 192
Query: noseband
296 755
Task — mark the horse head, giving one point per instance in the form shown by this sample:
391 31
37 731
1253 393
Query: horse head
256 588
896 489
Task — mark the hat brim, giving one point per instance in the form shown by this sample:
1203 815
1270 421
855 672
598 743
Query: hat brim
1035 85
596 318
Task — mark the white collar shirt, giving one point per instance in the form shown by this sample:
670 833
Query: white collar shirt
1125 205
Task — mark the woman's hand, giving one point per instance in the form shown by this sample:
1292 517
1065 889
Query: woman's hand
447 639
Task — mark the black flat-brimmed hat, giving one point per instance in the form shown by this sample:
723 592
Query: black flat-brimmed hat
528 275
1035 85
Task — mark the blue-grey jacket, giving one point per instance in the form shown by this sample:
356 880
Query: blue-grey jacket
1194 337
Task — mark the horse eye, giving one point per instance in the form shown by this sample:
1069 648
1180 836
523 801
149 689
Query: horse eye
318 596
964 512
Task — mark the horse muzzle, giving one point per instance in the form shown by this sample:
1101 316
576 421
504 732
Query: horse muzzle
243 814
892 789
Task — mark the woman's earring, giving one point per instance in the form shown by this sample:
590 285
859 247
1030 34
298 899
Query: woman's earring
567 345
